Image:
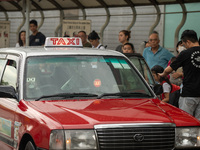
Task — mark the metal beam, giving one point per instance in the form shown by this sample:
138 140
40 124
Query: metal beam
41 13
154 2
107 19
117 4
27 4
59 27
56 4
134 14
5 12
21 25
80 5
184 12
20 9
16 5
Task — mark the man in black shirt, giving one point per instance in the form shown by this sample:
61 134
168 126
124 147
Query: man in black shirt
36 38
190 61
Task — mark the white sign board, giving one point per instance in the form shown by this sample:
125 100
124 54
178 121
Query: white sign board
63 41
72 27
4 34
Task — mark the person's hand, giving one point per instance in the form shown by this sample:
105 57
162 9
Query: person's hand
161 74
167 71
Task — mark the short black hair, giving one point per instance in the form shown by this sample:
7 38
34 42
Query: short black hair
93 36
132 46
179 43
157 69
155 32
190 35
82 32
33 22
199 40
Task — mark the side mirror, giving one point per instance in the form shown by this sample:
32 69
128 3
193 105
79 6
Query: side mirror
7 92
158 89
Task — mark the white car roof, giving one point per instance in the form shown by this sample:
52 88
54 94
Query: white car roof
59 46
41 51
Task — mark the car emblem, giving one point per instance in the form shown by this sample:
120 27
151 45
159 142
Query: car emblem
138 137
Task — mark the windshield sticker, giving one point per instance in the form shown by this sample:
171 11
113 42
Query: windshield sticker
97 83
115 63
5 127
31 82
94 64
124 64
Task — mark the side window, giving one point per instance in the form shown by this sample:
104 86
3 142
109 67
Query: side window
137 64
143 69
147 73
10 74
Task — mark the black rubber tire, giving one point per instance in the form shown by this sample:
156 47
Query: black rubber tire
29 146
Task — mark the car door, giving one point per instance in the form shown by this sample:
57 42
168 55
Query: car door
9 74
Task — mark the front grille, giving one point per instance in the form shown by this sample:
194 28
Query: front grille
136 137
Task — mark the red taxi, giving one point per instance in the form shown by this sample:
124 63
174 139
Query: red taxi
65 97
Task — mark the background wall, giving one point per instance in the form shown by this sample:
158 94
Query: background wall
173 20
120 19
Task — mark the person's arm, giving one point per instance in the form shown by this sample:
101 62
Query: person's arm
176 75
166 91
166 99
166 72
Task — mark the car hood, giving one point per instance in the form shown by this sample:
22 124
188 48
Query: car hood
87 113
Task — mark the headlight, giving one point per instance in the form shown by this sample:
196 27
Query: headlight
187 137
56 140
80 139
74 140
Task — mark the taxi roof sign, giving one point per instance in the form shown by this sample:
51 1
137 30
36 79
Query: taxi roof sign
63 42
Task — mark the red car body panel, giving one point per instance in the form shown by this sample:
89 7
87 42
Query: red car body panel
87 113
40 117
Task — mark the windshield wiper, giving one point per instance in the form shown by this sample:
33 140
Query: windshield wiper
68 95
125 94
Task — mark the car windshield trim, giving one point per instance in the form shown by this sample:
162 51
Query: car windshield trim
125 94
67 95
71 95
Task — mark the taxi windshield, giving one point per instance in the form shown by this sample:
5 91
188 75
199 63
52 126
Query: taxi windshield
93 75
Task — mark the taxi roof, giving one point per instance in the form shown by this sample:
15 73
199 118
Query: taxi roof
42 51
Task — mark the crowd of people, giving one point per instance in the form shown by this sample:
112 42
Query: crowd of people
177 74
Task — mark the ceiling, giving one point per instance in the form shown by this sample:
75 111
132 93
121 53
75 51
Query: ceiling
36 5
